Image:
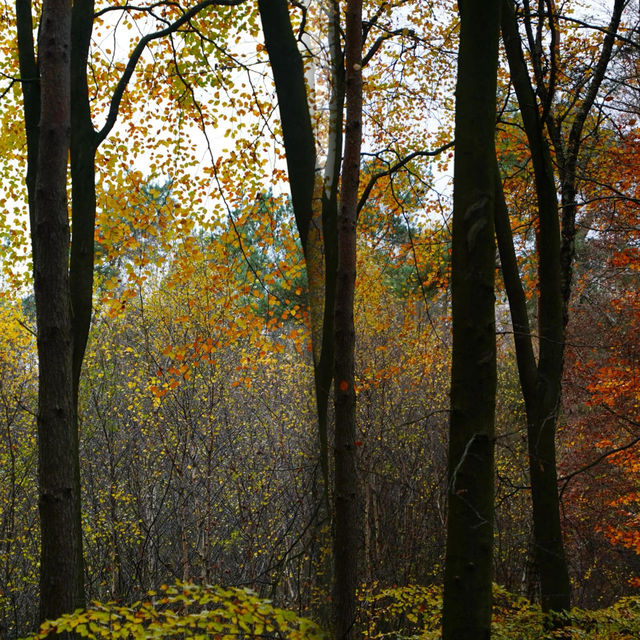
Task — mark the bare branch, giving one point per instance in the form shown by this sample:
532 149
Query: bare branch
132 8
396 167
366 58
607 454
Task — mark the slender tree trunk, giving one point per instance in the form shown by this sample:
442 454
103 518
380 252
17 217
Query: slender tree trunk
347 540
83 145
326 250
297 130
542 383
314 204
61 588
30 95
468 562
541 416
314 197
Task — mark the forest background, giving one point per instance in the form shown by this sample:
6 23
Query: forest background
201 444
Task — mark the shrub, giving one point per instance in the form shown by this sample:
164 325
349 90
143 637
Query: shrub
186 611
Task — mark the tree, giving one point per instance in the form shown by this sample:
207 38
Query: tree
61 579
331 276
315 213
58 120
468 564
346 491
541 379
315 203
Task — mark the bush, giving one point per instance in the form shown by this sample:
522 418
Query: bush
414 613
186 611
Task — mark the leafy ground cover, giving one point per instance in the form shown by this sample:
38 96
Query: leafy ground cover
412 612
185 611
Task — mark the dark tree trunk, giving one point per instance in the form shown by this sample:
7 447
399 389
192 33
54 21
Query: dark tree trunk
549 552
542 382
83 145
329 236
323 251
77 291
83 186
314 204
297 129
468 562
30 95
53 286
346 493
61 588
64 287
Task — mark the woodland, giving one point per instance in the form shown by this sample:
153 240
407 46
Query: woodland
320 319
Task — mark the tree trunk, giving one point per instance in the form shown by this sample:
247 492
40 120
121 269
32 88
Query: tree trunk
314 204
63 287
30 95
542 383
83 145
347 540
75 285
468 562
61 588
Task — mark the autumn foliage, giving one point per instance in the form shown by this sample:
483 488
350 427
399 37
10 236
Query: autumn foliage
197 419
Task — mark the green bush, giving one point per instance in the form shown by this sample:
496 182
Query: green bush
186 611
411 612
414 612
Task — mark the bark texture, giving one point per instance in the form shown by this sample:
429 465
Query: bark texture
83 145
347 538
468 561
58 121
61 588
541 381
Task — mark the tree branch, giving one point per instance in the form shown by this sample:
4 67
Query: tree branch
607 454
396 167
137 52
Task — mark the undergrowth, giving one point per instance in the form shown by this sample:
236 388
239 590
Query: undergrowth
399 613
413 612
